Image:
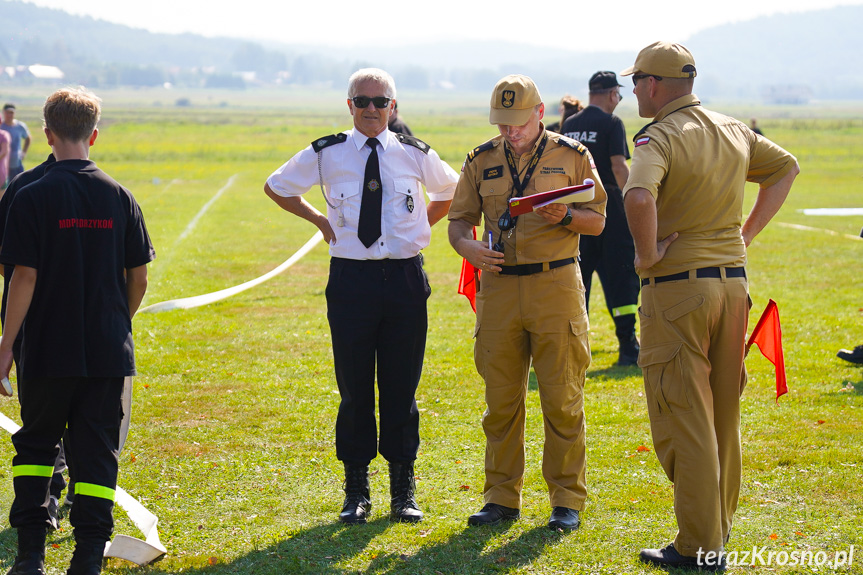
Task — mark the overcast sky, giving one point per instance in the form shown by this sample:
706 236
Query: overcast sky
600 25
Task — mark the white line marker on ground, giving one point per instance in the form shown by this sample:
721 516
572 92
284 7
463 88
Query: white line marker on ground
808 229
204 209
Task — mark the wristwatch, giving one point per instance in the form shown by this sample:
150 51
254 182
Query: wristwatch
567 218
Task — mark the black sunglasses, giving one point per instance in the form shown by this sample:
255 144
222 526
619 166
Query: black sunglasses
638 77
364 101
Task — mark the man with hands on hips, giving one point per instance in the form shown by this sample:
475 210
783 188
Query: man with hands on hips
377 222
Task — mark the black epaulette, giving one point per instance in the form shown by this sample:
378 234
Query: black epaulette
570 143
641 131
328 141
479 149
415 142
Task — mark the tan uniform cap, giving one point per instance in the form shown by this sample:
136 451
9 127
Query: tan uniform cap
513 100
664 59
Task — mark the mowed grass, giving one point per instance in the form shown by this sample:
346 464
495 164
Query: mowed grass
231 444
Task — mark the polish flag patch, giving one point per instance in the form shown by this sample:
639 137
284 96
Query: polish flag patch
641 141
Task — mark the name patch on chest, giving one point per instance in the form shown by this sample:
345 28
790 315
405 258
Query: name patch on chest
551 170
492 173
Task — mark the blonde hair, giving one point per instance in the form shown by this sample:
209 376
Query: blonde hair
72 113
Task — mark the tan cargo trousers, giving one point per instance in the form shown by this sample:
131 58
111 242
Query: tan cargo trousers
540 316
692 346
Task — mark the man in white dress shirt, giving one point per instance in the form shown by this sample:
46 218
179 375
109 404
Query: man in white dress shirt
377 222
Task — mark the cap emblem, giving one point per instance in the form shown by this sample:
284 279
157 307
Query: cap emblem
508 98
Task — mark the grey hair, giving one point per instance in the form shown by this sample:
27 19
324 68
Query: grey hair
375 75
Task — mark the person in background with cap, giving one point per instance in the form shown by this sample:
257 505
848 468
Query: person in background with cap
377 222
20 140
611 253
684 204
531 299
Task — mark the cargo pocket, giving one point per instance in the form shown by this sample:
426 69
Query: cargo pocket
579 357
478 355
664 379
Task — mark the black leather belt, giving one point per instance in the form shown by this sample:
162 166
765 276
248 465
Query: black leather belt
715 273
529 269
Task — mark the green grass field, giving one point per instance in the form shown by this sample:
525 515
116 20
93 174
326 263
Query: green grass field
231 443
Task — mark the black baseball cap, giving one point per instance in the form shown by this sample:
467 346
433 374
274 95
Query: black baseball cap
603 81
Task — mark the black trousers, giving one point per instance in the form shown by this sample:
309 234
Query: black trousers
91 409
63 461
612 255
378 320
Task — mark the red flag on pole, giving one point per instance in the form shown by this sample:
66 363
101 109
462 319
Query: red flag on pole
768 335
467 280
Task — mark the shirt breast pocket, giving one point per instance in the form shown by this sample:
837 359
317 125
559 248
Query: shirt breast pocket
494 194
552 182
408 200
345 196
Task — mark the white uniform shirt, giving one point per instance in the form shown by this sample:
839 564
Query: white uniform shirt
404 169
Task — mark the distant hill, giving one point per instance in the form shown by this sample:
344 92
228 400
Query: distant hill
804 54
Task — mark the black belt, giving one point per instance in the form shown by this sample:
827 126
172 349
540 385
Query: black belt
529 269
715 273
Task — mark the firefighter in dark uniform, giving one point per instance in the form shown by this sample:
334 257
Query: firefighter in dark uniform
611 253
684 204
80 249
531 300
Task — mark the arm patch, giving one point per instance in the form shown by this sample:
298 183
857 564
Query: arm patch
415 142
328 141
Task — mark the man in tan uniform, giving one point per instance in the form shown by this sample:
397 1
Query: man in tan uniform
684 204
531 300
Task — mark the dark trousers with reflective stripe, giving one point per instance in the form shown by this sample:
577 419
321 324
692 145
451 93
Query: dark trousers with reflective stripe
90 407
611 255
378 320
63 461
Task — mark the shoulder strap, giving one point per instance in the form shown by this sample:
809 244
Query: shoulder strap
570 143
328 141
479 149
415 142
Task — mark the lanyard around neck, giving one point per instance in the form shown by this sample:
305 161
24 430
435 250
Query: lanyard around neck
520 186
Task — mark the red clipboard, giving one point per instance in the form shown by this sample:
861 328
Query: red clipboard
581 193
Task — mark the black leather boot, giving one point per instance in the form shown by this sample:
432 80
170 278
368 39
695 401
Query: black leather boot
358 502
31 552
403 505
87 558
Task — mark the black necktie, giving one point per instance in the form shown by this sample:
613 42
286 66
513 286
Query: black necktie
369 229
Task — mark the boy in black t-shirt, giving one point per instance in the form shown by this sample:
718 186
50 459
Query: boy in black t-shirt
80 249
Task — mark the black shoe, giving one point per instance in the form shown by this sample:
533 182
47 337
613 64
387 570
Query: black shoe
87 558
492 514
564 518
357 503
403 505
31 552
670 558
855 356
628 352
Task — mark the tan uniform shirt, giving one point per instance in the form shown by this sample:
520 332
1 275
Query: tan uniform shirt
695 164
485 187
